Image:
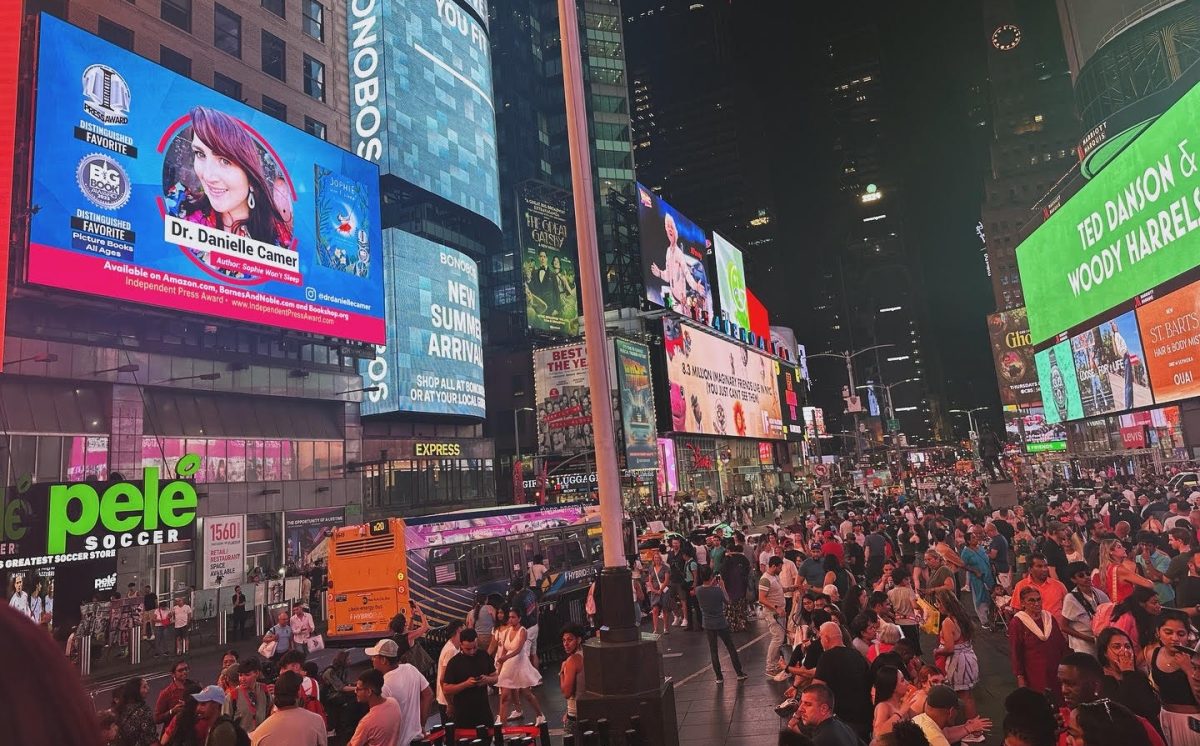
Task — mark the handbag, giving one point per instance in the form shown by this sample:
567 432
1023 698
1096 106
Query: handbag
933 619
267 649
315 643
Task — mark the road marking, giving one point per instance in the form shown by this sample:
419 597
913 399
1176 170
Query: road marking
708 669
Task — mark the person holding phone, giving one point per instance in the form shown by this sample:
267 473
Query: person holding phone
1171 673
465 681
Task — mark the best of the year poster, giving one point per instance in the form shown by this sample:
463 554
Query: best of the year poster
156 190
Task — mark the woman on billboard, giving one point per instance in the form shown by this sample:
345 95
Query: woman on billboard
235 194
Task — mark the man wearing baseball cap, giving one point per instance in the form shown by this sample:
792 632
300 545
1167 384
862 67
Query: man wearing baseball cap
405 684
221 732
939 709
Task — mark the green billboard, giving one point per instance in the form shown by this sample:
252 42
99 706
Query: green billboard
1128 230
731 281
1060 386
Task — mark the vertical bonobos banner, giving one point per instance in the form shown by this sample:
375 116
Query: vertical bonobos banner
637 405
433 360
564 400
731 281
718 387
223 556
1016 373
154 189
548 264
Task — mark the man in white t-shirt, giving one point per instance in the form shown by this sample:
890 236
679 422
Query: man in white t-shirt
449 650
405 684
181 616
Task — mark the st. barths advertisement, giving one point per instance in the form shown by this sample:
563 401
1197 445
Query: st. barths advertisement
719 387
564 401
548 264
637 405
156 190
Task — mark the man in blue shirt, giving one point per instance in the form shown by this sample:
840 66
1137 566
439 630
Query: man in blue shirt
283 636
997 550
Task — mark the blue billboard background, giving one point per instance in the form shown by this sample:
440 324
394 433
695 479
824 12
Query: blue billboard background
433 360
285 233
421 100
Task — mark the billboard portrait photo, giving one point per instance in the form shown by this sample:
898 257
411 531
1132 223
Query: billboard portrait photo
159 191
1016 373
1111 367
1170 328
564 399
549 269
673 252
1060 387
433 359
719 387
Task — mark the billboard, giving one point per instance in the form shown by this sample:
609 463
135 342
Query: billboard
814 422
1056 377
790 400
1111 367
1016 373
637 405
731 281
306 533
549 267
564 399
760 321
421 98
1170 328
433 359
1127 230
223 555
785 338
156 190
673 253
1039 434
668 477
719 387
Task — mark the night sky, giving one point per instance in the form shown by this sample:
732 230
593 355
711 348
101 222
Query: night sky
933 55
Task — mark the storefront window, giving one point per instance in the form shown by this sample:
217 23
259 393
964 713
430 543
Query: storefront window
214 467
271 451
320 460
87 458
429 484
235 460
305 459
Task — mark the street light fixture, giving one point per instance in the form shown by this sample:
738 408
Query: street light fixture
367 389
200 377
127 368
848 357
888 388
970 415
47 357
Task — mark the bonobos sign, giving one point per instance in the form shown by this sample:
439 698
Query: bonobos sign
74 522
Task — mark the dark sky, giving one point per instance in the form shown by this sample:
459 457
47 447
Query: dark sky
933 54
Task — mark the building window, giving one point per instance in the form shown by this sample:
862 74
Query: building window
315 128
175 61
314 19
227 30
116 33
177 13
274 56
314 78
276 7
227 86
274 108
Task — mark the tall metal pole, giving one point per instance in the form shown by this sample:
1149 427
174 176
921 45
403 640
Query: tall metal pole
853 389
608 475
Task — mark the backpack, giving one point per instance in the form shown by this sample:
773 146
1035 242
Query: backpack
242 738
312 704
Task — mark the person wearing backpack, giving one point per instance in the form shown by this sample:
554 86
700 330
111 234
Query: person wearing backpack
310 690
1080 607
290 724
249 704
222 729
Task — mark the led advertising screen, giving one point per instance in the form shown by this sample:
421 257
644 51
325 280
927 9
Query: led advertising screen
421 98
564 399
1039 435
1056 377
548 258
1111 367
1015 372
719 387
637 405
1170 329
668 478
760 321
156 190
673 253
433 359
790 400
1126 231
814 422
731 281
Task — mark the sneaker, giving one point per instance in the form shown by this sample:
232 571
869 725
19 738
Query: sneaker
772 674
685 624
782 675
786 706
515 715
720 680
674 621
742 676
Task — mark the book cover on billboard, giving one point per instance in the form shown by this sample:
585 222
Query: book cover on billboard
343 223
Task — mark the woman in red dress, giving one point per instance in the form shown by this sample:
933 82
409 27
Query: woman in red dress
1036 644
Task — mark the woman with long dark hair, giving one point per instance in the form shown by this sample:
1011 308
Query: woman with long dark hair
1105 723
1171 673
236 196
955 652
891 689
135 722
1135 616
1122 682
186 729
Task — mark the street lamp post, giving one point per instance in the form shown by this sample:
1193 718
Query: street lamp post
970 413
891 410
849 358
623 673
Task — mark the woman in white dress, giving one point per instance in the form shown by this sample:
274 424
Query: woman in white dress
517 674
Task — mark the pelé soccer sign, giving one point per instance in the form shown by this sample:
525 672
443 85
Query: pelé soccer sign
78 521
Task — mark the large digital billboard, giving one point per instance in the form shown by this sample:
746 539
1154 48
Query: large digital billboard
719 387
156 190
421 98
731 281
1170 328
433 359
1013 355
1039 435
637 405
1056 377
673 254
1111 368
564 399
548 258
1126 231
791 392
